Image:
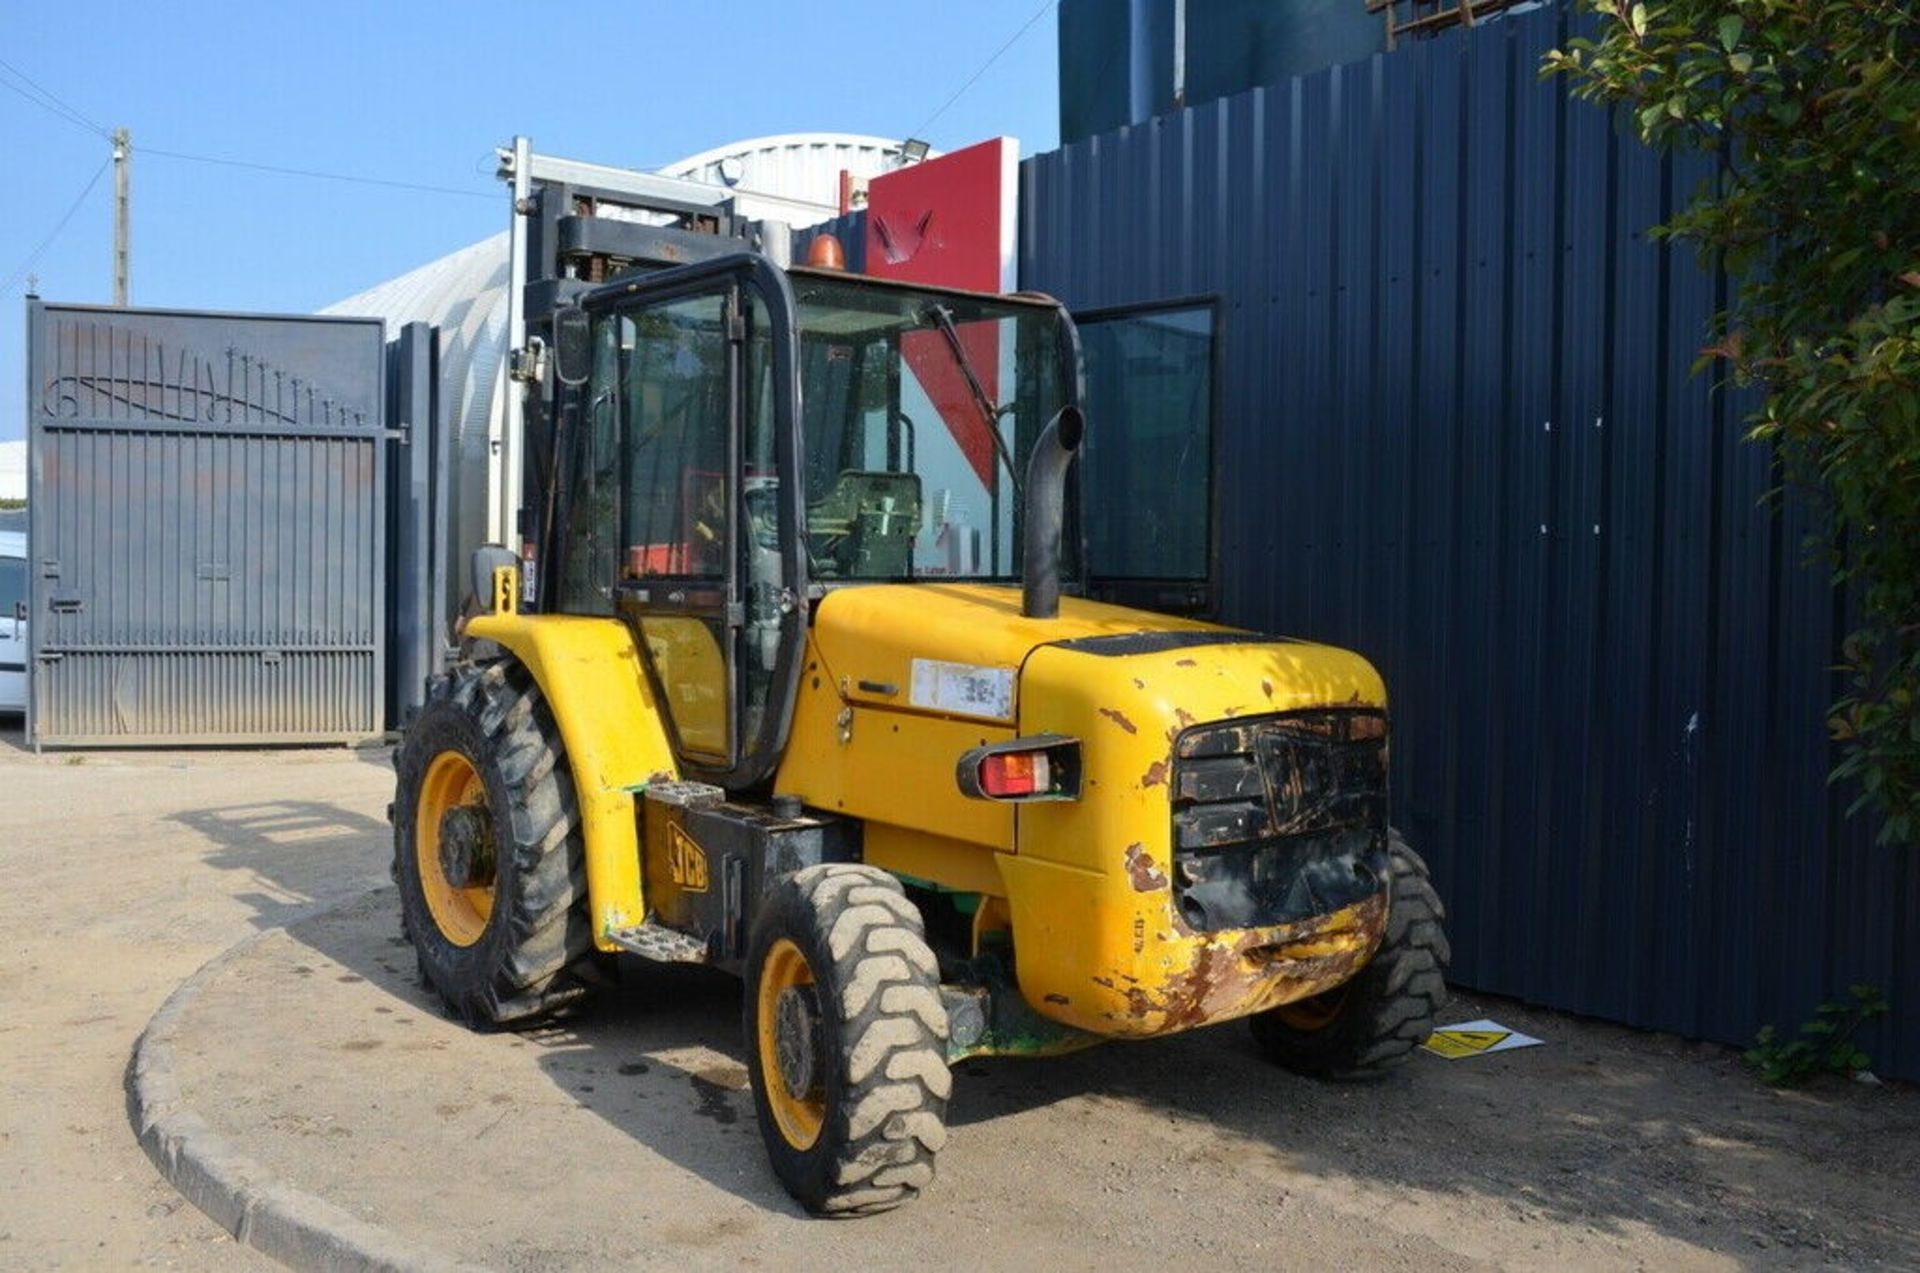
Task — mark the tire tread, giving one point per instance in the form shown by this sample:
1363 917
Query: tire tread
1392 1004
889 1122
533 958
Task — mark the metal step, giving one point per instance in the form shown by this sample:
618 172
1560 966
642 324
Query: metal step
661 944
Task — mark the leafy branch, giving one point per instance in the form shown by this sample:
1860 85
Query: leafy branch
1824 1045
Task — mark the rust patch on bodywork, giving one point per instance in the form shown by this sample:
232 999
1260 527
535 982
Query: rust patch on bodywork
1186 663
1237 973
1182 718
1156 774
1141 870
1120 718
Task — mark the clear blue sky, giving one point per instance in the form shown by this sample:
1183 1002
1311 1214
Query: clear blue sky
422 92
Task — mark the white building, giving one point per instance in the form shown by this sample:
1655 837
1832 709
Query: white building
13 470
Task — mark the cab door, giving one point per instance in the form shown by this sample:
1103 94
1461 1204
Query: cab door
1150 464
681 520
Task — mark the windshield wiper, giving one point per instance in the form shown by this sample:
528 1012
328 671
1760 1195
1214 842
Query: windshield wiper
943 318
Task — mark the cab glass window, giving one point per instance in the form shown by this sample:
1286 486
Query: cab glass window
1149 445
676 392
920 410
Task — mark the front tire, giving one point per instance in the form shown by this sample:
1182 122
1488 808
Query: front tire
847 1038
1373 1022
488 853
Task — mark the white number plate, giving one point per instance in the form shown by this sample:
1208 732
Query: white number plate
963 689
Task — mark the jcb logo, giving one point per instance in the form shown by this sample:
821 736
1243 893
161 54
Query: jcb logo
686 861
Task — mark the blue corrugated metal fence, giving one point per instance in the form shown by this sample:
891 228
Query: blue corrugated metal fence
1459 435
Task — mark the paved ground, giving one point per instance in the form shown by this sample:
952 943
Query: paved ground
625 1138
115 890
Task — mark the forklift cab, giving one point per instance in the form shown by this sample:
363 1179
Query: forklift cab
709 500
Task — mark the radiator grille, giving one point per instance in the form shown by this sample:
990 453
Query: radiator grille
1278 818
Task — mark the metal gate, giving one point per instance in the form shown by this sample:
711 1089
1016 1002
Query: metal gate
207 527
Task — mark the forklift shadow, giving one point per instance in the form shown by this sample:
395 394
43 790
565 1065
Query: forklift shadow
1212 1074
660 1058
657 1056
660 1055
298 852
1604 1129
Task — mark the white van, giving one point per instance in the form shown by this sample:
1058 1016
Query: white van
13 622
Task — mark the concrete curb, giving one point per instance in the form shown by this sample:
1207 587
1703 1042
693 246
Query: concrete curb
241 1196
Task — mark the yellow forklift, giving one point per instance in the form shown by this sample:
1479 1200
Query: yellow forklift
796 694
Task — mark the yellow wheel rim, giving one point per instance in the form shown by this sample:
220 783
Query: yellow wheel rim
1315 1013
460 909
798 1117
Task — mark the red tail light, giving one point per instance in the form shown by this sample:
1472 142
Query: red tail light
1015 773
1043 767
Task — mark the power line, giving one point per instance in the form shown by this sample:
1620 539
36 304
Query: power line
46 100
1012 40
314 173
59 225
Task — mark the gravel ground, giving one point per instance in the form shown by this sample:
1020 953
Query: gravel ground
625 1136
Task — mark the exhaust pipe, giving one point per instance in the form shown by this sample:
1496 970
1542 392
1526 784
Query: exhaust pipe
1045 512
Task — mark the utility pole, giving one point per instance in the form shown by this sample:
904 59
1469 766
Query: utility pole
122 159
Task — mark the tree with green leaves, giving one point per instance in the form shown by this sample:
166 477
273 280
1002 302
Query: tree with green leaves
1813 110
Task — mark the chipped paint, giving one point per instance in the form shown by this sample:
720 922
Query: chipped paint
1070 875
1251 970
1146 876
1120 718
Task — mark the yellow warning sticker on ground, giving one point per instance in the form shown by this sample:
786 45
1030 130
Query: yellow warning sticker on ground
1476 1038
1453 1044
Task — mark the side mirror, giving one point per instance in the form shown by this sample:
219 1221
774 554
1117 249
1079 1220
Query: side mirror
572 345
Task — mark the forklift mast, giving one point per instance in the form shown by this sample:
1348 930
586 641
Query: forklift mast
575 225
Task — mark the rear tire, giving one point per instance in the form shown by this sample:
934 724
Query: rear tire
1364 1028
846 1035
488 853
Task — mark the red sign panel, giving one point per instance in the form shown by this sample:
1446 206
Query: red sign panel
948 221
951 222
